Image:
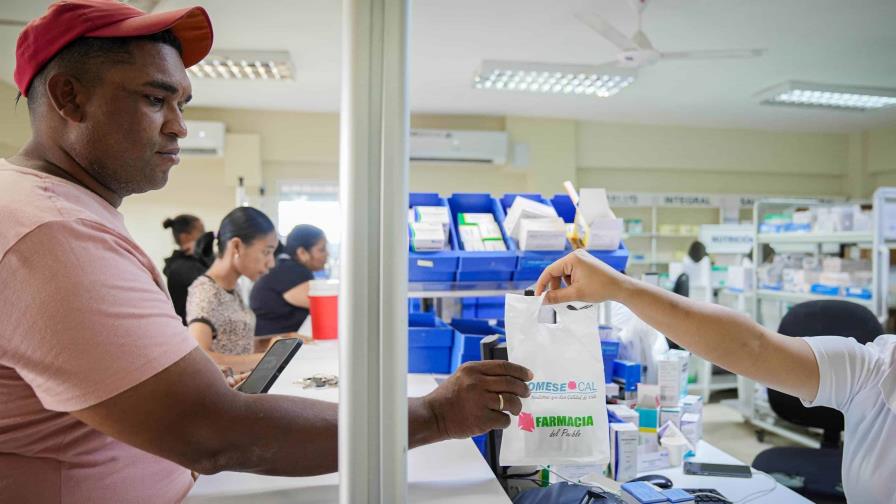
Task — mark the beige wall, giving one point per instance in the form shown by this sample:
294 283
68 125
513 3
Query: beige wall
679 159
880 157
15 126
305 146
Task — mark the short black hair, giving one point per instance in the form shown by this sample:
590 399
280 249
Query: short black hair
245 223
87 58
697 251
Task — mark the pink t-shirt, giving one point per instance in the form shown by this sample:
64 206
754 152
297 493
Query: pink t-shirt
84 316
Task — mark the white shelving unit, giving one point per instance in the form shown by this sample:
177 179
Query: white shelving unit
879 240
813 240
799 297
842 237
653 257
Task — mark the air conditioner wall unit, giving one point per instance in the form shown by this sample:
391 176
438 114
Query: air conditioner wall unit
459 146
204 138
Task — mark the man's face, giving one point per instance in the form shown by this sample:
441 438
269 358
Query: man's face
133 120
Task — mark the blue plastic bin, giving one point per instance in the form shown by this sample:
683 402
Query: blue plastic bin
858 292
482 307
616 259
490 307
532 262
467 337
432 266
609 350
483 266
429 344
825 290
468 307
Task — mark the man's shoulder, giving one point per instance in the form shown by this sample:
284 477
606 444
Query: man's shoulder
31 199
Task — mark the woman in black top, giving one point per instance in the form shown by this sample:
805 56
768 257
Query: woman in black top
280 298
183 267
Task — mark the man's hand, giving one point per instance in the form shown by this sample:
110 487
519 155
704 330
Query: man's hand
587 279
475 398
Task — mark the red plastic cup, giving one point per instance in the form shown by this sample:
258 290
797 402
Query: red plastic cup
323 296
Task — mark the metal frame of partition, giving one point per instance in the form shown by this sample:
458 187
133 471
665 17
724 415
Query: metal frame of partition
374 124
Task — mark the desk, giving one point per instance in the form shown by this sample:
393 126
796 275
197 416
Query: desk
446 472
734 489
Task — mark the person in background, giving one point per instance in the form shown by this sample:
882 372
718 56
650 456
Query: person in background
217 316
280 298
106 397
183 267
858 380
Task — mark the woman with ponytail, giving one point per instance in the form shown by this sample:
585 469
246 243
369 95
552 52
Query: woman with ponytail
217 317
183 267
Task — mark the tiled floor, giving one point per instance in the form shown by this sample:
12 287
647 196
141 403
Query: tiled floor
726 429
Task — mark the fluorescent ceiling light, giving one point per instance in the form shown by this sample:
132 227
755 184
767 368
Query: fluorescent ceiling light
586 80
244 65
807 94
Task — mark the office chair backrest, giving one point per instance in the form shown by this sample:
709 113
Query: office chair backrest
822 318
682 285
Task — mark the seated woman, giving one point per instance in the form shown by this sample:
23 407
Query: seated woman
280 298
217 316
183 267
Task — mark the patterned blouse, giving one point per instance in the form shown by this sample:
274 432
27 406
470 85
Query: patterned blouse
231 321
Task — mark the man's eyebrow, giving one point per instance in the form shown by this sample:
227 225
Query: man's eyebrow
166 87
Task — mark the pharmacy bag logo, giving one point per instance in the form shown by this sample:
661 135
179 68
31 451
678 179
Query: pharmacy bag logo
526 422
562 388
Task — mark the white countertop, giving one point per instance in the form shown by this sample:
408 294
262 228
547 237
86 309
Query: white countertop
444 472
450 471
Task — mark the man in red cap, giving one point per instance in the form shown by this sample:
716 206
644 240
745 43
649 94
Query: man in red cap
106 398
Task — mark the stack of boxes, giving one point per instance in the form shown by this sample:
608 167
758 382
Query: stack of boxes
820 219
624 440
430 227
479 232
832 276
535 226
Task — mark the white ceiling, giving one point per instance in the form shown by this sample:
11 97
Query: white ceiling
828 41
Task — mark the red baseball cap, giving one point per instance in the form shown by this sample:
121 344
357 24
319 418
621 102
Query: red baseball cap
68 20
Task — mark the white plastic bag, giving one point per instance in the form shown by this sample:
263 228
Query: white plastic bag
564 421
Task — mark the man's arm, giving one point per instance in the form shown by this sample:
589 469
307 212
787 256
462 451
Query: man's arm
187 414
720 335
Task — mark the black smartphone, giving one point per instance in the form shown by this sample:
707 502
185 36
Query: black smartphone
262 378
725 470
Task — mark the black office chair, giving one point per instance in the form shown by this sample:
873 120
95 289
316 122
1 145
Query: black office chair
682 287
816 473
493 348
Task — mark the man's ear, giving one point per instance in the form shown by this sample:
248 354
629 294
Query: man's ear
67 95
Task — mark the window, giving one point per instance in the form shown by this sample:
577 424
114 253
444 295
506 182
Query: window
315 203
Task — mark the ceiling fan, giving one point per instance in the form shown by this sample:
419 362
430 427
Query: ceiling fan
603 79
637 51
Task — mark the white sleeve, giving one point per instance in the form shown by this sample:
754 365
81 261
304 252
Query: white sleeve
845 368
